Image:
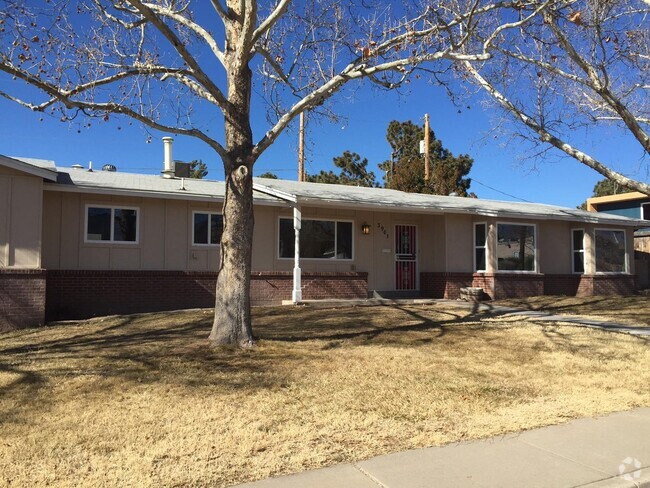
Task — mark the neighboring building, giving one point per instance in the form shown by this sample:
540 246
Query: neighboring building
76 243
634 205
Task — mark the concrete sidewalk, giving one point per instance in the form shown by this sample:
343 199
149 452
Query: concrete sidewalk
605 452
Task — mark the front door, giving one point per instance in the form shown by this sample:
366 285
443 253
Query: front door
405 257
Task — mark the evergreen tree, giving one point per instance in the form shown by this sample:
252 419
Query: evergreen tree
354 172
605 187
405 170
198 169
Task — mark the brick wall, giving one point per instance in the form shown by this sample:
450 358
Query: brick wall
517 285
569 285
444 285
22 298
83 294
607 285
495 285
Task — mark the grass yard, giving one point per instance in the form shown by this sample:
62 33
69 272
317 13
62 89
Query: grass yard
633 310
141 401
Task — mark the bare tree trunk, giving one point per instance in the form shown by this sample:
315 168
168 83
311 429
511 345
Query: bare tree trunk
232 313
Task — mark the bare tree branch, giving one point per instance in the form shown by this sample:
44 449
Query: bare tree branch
602 88
64 97
221 11
268 23
182 50
351 72
193 26
545 136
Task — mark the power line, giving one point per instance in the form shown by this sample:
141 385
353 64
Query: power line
474 180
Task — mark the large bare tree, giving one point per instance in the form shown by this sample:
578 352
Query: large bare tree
579 65
157 60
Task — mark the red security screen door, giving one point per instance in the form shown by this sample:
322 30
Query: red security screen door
405 257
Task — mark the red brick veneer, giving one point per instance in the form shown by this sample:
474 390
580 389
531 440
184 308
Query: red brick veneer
444 285
516 285
75 294
22 298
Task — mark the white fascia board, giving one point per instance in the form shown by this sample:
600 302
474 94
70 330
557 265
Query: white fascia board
287 197
193 197
18 165
285 200
314 202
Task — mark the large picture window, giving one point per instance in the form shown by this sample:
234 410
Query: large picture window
515 247
480 247
578 250
111 224
207 229
319 239
611 255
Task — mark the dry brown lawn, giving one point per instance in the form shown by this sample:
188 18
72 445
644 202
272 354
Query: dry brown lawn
141 401
633 310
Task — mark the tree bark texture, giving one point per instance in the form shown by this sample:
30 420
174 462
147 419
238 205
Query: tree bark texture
232 314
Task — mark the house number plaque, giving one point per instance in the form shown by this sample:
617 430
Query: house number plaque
383 230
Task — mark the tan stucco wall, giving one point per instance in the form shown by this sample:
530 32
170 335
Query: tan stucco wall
554 246
20 219
444 242
163 243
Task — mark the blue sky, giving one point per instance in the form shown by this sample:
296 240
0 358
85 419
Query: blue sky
366 112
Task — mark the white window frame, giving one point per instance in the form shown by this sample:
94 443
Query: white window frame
627 254
209 214
475 247
574 251
112 239
643 210
320 260
496 247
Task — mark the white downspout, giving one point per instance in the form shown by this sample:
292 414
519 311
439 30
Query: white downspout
296 294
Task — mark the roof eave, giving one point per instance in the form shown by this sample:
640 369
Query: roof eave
18 165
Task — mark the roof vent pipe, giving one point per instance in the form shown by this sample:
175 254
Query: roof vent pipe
168 169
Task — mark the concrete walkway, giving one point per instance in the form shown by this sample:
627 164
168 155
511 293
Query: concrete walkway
485 307
605 452
541 316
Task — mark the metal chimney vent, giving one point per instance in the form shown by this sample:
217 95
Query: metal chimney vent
109 167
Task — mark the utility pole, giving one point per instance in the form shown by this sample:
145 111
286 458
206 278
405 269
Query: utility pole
426 147
301 148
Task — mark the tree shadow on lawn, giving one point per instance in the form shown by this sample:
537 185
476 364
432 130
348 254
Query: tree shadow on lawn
138 347
171 348
339 324
626 308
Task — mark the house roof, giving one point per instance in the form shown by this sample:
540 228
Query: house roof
37 167
148 186
381 198
286 193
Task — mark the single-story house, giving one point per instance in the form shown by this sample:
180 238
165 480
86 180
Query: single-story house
76 243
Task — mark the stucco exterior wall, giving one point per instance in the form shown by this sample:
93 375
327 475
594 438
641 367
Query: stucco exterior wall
444 242
164 240
20 219
554 246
